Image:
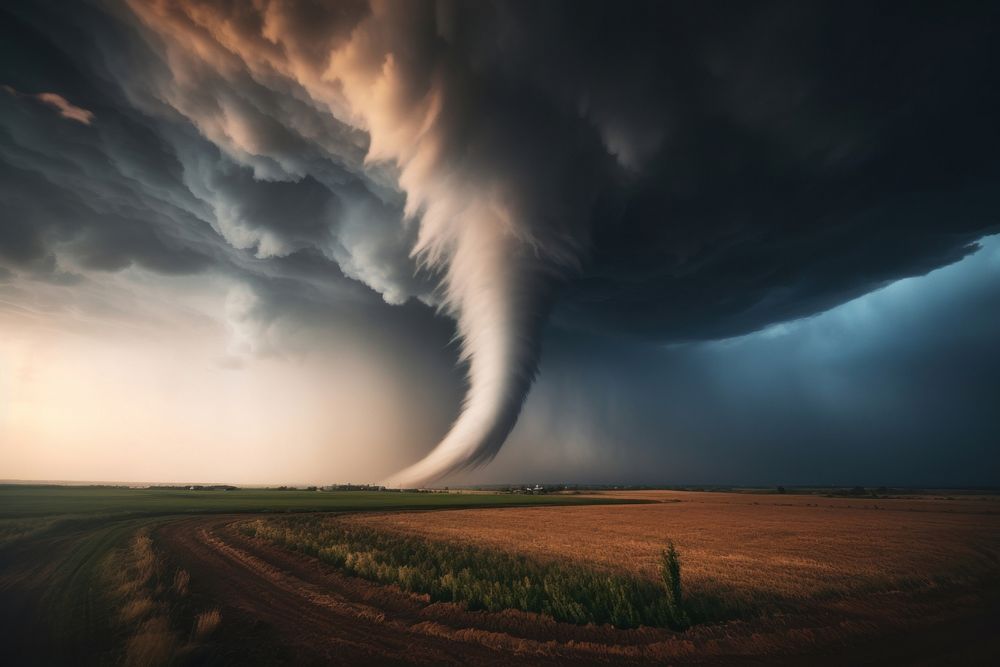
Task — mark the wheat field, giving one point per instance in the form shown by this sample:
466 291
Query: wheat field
749 547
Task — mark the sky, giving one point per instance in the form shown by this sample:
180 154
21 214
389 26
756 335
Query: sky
488 242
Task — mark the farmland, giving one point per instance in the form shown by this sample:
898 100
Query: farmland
33 502
807 571
480 578
786 548
62 548
149 576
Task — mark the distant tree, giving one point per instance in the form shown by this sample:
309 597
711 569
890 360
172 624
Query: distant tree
781 490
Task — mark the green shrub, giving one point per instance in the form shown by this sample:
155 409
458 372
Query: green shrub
482 578
670 572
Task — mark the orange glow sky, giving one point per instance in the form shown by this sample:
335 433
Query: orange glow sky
181 397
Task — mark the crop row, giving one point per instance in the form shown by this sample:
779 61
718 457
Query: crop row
480 578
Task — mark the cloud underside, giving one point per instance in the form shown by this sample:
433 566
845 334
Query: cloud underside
662 171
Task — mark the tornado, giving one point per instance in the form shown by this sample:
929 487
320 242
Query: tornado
498 293
498 210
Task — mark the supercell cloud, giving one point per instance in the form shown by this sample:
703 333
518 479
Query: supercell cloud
661 171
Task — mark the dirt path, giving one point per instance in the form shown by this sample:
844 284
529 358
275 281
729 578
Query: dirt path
52 603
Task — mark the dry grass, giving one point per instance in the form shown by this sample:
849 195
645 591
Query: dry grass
136 609
152 644
143 594
206 623
132 572
181 581
135 573
749 548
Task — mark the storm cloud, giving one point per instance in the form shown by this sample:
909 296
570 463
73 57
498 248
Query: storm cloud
654 171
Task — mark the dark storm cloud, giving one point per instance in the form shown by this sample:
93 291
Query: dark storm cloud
808 153
57 199
673 171
92 190
138 185
898 387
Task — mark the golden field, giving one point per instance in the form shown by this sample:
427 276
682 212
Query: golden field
751 547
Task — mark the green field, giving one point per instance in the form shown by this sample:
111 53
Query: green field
24 501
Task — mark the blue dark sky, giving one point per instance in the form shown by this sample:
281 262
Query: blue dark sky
895 387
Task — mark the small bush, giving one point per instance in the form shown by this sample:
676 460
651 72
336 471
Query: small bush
670 572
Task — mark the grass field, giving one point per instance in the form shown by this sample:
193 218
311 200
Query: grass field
759 550
98 575
22 501
481 578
